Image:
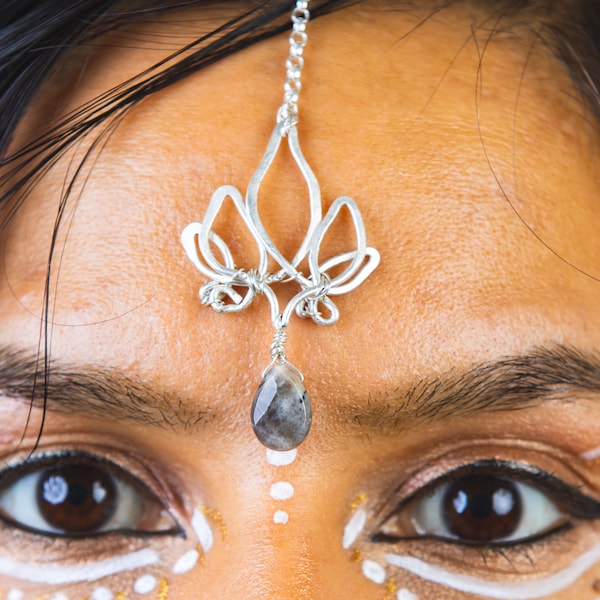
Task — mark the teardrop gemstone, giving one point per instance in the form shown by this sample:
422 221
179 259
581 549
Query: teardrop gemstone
281 410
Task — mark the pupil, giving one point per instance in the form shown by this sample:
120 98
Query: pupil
482 509
77 495
76 499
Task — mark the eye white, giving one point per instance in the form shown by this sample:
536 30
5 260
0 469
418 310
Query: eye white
538 512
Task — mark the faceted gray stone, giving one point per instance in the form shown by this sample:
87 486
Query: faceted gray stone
281 410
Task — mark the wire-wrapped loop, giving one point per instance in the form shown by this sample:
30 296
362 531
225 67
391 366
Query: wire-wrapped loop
278 346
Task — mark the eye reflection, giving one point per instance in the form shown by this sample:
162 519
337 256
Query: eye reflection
80 496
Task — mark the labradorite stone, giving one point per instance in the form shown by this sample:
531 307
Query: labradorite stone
281 410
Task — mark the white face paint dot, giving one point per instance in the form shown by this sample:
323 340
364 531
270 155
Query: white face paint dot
59 596
280 517
373 571
355 525
281 459
405 594
591 455
282 490
187 562
144 584
203 530
15 595
102 593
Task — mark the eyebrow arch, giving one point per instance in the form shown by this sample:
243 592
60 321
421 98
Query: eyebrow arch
511 383
92 391
507 384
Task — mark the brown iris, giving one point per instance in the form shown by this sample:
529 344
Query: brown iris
482 509
76 498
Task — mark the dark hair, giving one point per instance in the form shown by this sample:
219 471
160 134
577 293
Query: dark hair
36 35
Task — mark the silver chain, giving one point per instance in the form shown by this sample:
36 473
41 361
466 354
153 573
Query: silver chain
287 115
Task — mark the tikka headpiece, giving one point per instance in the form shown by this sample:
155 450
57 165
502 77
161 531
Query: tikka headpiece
281 411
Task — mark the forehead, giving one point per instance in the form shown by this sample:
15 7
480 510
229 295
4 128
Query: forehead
468 156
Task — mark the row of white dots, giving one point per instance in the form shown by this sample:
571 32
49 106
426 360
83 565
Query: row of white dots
281 490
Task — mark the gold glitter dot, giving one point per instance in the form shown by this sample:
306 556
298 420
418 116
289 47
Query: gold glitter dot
121 596
357 501
392 588
356 555
216 517
163 589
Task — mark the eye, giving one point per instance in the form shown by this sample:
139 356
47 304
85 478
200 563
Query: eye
485 509
80 495
488 503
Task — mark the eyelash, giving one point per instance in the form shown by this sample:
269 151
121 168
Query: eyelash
573 503
17 472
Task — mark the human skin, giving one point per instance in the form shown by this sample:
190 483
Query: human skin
460 168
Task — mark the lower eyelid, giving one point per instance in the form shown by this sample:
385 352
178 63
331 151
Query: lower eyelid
499 590
71 567
503 572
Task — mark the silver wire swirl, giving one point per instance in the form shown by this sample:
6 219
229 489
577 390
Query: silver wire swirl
313 299
232 288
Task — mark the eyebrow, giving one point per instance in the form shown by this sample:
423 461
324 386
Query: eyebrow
507 384
92 391
511 383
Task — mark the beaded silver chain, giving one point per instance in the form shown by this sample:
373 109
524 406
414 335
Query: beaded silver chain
287 115
281 411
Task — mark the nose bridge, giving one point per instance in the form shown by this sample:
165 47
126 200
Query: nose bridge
287 565
258 561
276 548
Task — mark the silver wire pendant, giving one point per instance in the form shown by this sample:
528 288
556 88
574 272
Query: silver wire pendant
281 413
